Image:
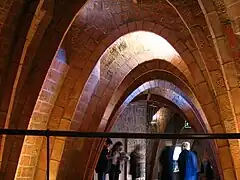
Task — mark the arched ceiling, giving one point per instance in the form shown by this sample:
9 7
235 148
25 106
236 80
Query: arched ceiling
202 32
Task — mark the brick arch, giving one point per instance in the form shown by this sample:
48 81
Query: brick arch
63 21
209 62
35 66
56 38
157 98
167 90
163 63
160 100
201 84
130 83
121 108
92 125
76 87
11 43
224 73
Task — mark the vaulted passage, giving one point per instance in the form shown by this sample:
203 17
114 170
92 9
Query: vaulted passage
90 66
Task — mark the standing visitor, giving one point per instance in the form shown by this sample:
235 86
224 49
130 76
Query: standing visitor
187 163
166 161
117 156
135 163
103 161
207 170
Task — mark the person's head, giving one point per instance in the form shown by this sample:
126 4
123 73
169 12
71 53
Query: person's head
186 146
117 146
137 148
108 142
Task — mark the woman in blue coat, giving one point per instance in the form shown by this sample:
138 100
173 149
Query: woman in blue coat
187 163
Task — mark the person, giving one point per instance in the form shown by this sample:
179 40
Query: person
187 163
166 161
103 161
117 156
207 170
135 162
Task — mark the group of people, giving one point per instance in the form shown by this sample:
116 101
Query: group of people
187 164
110 161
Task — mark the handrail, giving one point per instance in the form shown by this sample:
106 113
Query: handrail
49 133
118 135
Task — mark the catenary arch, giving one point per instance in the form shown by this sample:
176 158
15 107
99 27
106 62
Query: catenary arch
142 69
110 40
215 128
220 92
64 22
163 92
93 124
158 99
131 63
77 86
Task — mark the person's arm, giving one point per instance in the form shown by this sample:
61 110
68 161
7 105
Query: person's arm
124 156
110 155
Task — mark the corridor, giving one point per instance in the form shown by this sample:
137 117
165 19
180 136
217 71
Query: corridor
134 66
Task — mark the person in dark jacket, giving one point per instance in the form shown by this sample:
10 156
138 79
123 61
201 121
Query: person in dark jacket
166 161
135 163
187 163
208 170
103 161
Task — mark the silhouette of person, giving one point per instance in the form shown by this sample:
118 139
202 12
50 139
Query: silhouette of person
187 163
103 161
135 162
166 161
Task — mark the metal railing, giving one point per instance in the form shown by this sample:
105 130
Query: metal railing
49 133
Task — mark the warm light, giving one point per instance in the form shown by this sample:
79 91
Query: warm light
153 44
138 46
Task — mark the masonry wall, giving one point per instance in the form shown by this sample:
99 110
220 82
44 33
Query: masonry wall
39 120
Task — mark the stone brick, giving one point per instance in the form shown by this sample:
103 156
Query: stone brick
203 93
218 82
196 73
231 74
225 107
187 57
212 114
70 109
215 24
229 174
56 116
224 50
132 26
219 129
57 150
230 126
64 125
54 169
148 26
235 95
225 157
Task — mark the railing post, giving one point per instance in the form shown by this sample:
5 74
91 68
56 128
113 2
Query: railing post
48 155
